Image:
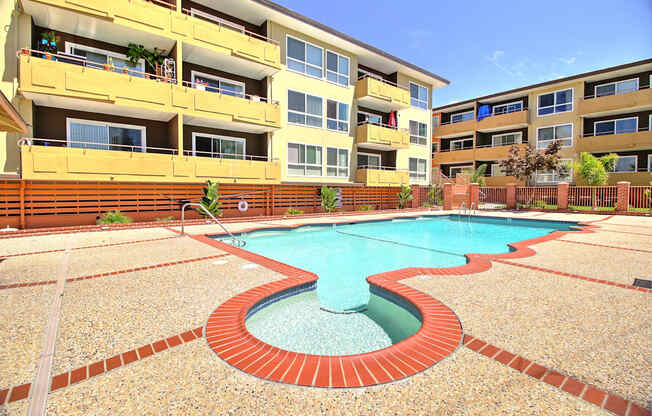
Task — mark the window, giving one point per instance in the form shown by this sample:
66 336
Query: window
337 68
214 19
507 108
497 170
506 139
454 170
369 118
435 147
546 135
418 169
548 176
304 57
418 133
90 134
337 116
435 120
304 160
555 102
305 109
627 164
620 126
337 162
97 58
457 144
206 82
224 147
418 95
649 163
614 88
368 161
459 117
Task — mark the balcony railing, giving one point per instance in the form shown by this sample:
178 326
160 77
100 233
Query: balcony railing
608 94
222 91
228 25
612 132
386 126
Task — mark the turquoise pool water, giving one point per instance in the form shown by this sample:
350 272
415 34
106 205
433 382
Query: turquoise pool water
344 255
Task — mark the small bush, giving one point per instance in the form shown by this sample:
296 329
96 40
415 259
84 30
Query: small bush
328 198
539 204
293 211
427 205
114 217
366 208
165 219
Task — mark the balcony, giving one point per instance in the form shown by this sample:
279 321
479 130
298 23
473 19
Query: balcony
638 100
501 180
455 156
495 122
640 178
381 95
382 176
640 140
159 23
495 152
474 153
381 137
455 129
69 83
56 161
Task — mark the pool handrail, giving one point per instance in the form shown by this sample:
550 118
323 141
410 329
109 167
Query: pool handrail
238 242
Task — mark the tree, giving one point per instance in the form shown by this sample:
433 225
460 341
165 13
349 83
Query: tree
328 198
478 175
593 171
523 165
404 196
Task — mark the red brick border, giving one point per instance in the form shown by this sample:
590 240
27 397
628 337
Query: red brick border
591 394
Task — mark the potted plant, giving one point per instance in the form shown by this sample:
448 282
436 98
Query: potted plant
153 59
109 64
48 44
201 84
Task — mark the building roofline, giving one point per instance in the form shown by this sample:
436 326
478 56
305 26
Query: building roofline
312 22
546 83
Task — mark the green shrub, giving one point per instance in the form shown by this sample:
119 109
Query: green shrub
366 208
293 211
427 205
165 219
211 200
404 196
435 195
114 217
328 200
539 204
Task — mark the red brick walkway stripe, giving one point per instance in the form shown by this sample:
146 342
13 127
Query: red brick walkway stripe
591 394
625 232
124 243
639 250
95 369
576 276
94 276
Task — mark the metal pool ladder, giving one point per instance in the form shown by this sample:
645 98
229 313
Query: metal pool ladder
237 242
462 208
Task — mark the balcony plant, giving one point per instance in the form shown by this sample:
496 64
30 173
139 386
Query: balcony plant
48 44
404 196
328 198
211 200
153 59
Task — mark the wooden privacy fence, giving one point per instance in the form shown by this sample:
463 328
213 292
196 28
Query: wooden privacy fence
30 204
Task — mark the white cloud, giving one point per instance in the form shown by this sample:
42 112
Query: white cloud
515 70
568 61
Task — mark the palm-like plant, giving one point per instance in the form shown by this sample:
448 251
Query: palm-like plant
478 175
211 200
404 196
328 198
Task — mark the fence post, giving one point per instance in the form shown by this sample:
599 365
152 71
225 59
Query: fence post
448 196
22 204
623 196
416 196
562 195
510 195
474 195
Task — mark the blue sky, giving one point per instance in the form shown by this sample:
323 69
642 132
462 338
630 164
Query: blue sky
490 46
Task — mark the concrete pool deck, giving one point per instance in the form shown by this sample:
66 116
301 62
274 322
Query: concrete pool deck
129 337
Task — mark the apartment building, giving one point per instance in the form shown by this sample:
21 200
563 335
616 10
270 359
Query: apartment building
599 112
242 91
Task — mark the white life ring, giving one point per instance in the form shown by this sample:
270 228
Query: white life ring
243 206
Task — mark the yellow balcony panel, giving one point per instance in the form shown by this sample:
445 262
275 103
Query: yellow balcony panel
503 121
634 178
500 180
494 152
66 163
616 142
381 137
639 100
381 95
381 177
455 129
456 156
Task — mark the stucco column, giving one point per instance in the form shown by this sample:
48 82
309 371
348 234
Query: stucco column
623 196
562 195
510 198
474 195
447 195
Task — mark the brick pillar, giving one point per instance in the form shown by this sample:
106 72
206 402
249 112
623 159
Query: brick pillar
623 196
562 195
416 194
447 195
474 195
510 199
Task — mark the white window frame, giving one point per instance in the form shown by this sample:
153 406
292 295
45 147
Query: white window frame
572 136
70 45
305 100
554 103
337 114
417 136
595 124
635 164
108 124
649 163
554 176
379 156
450 146
338 74
305 164
615 83
427 102
218 137
493 108
323 57
472 112
518 133
424 173
496 165
338 167
194 74
218 20
459 167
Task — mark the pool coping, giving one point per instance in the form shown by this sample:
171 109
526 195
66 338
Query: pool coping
440 335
